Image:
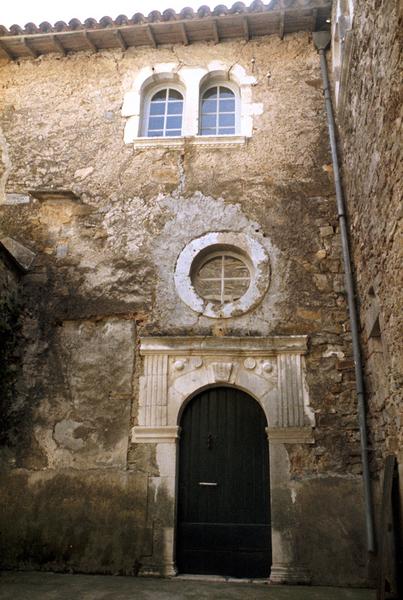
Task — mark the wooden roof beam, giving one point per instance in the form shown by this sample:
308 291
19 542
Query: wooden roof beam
184 34
30 50
6 51
90 43
58 45
282 24
120 40
216 35
246 30
151 36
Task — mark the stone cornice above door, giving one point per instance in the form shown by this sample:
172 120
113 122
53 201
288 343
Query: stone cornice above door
238 346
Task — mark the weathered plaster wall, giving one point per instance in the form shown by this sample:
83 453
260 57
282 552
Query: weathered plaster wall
104 276
370 131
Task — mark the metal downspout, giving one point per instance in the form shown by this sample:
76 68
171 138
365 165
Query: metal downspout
321 40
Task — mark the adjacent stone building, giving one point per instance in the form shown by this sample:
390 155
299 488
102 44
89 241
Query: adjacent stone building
172 176
367 57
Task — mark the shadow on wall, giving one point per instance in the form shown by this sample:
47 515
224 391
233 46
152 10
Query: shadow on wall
75 522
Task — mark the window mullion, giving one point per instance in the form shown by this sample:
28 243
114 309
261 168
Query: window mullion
166 112
217 107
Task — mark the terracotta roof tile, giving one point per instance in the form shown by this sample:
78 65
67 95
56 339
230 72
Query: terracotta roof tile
156 17
186 26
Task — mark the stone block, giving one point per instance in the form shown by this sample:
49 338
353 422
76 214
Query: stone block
326 231
22 255
13 199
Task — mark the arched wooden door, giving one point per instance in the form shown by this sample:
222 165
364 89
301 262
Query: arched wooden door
224 504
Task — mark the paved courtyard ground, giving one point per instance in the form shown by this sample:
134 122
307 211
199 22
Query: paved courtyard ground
52 586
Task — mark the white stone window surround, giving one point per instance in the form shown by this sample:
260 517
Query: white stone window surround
146 103
192 80
255 256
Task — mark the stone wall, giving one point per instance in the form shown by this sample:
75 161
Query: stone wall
370 131
10 350
107 234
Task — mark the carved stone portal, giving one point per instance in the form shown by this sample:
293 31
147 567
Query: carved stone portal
269 369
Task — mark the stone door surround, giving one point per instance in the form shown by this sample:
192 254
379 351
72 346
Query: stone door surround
269 369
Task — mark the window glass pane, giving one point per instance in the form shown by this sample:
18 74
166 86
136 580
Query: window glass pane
209 106
174 133
174 122
155 133
208 121
156 123
227 105
226 93
211 93
234 289
209 290
208 132
212 268
235 268
175 108
226 120
226 131
157 108
160 95
175 95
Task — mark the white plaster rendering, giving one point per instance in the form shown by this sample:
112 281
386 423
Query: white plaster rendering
191 81
245 245
187 218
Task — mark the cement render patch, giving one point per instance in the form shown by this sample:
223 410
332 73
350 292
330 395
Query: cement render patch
51 586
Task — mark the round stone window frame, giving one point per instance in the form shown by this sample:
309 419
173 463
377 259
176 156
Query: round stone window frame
251 251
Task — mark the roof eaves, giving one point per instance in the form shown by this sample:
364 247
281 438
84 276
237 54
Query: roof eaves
187 26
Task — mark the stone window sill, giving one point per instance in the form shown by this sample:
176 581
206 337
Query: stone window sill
196 140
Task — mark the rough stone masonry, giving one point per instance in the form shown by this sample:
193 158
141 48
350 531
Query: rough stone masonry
107 221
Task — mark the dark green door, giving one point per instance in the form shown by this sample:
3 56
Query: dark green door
223 509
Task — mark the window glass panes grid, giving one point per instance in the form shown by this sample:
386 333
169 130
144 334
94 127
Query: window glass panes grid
165 115
222 278
218 111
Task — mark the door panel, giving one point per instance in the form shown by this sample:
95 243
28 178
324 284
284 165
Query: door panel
223 509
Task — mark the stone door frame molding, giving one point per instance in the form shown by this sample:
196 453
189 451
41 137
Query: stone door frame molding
269 369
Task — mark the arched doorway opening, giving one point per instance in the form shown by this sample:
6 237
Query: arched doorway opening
223 524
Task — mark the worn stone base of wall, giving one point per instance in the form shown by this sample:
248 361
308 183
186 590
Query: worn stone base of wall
330 540
99 522
87 521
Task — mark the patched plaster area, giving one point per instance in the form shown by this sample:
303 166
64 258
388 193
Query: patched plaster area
190 219
90 423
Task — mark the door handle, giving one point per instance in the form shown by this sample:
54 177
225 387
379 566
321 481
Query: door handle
208 483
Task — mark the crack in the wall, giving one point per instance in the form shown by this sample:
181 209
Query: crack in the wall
5 158
182 175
